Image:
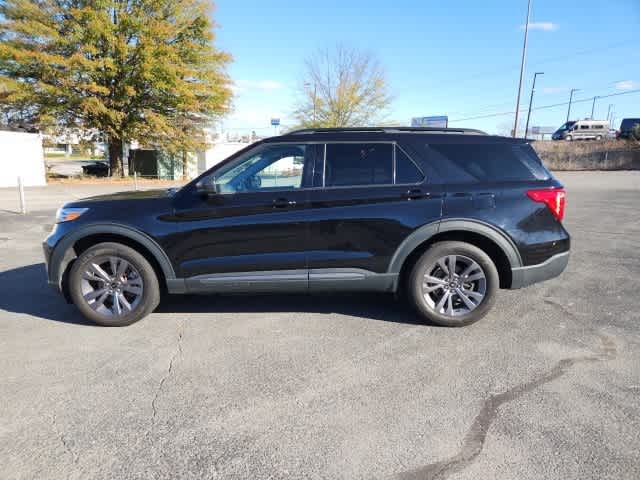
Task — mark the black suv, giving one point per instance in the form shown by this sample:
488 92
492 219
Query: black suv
445 217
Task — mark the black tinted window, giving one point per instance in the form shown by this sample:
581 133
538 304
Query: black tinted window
358 164
406 170
629 123
489 162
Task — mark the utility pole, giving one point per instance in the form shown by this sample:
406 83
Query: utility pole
593 106
533 89
524 56
609 111
570 99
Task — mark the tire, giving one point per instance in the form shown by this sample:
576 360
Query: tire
568 138
427 302
113 299
598 138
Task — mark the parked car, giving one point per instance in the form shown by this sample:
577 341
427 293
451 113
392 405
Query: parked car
96 169
628 128
582 130
442 217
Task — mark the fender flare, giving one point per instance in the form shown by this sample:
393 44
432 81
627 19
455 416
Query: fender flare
427 231
63 253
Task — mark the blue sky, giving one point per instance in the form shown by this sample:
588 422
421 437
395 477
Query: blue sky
458 58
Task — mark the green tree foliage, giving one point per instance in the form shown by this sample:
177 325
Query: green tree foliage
143 70
342 87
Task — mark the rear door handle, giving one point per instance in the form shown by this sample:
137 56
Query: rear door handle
283 203
414 194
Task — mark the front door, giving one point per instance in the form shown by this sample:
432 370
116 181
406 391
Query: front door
251 235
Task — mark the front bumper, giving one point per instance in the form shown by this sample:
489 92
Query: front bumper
554 266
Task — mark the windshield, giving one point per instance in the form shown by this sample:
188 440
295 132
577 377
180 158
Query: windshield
566 126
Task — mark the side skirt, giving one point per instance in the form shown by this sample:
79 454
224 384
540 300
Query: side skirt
314 280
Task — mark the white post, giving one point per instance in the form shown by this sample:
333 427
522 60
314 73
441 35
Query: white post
135 181
23 205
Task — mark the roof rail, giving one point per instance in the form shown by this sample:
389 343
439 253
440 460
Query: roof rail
467 131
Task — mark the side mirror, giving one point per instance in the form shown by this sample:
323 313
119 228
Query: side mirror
207 187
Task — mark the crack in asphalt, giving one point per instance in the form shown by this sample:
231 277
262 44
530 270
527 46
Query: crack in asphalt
560 307
475 438
176 353
63 440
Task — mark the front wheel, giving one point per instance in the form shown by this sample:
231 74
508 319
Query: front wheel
568 138
453 284
113 285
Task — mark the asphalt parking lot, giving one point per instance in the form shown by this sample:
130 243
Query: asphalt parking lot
546 386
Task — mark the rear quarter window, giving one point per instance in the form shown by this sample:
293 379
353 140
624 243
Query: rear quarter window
474 163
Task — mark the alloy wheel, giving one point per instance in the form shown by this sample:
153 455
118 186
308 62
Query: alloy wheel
111 286
455 285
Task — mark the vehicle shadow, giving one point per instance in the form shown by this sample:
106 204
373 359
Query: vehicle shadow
25 291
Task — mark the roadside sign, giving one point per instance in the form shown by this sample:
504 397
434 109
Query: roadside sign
275 122
441 121
542 130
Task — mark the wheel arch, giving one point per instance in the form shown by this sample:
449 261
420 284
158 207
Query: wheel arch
492 241
72 245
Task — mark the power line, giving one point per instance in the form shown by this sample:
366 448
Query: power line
544 107
486 74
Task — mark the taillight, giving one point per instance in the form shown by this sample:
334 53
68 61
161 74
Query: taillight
553 198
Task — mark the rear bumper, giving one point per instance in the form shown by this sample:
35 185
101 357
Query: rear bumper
554 266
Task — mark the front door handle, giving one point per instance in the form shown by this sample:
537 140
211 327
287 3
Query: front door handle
283 203
414 194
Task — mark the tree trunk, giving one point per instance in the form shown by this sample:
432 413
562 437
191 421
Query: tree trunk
115 157
184 165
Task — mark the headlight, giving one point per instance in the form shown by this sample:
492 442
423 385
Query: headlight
67 214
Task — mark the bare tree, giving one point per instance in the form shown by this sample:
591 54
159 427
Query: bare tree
342 87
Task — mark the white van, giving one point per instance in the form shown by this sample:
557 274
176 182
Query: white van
582 130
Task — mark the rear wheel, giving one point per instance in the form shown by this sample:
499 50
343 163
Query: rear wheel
598 138
568 138
453 284
113 285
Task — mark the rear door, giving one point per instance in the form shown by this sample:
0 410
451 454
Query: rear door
370 197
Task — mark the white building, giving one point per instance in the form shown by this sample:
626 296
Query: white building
221 147
21 156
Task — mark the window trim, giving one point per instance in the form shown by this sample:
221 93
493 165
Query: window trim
324 143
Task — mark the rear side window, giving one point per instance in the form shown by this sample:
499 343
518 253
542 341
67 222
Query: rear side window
406 170
490 162
358 164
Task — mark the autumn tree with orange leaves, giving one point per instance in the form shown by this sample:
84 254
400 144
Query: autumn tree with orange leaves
145 70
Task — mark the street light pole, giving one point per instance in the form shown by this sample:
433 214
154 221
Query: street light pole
570 99
609 111
533 89
593 106
524 56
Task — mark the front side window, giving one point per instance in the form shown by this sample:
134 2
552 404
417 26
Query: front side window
271 167
352 164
